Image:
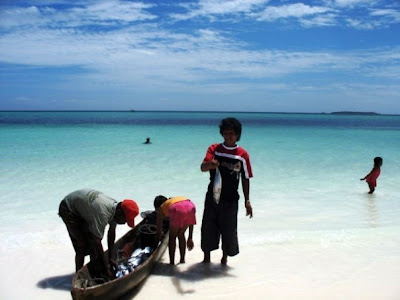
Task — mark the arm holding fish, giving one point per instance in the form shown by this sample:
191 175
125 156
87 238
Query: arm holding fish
246 192
209 161
209 165
190 243
110 243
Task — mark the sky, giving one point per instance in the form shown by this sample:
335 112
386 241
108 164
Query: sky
207 55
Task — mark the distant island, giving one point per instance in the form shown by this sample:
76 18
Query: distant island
357 113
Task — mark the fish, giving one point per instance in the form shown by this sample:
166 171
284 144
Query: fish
137 258
135 261
217 185
137 252
119 274
122 270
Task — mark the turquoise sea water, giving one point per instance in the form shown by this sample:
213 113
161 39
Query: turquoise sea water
306 167
314 224
313 218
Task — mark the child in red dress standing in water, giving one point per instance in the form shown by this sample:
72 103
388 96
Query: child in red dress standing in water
374 174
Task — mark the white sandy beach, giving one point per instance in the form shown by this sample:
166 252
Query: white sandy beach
327 270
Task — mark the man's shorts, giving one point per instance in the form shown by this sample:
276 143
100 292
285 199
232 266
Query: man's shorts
77 228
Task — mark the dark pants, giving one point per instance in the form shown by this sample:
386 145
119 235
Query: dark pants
78 230
220 221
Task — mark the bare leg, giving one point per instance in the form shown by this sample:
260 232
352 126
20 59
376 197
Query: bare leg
79 260
182 243
371 188
173 233
224 258
207 257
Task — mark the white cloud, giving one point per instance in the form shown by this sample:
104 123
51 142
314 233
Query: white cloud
114 11
210 8
390 72
15 17
228 6
99 13
352 3
361 24
147 54
388 13
378 19
297 10
320 21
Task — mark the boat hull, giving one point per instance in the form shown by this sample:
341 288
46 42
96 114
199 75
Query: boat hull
82 282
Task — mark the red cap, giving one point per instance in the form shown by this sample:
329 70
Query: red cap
131 210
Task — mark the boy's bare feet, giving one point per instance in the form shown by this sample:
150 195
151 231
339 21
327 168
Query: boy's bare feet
206 257
224 259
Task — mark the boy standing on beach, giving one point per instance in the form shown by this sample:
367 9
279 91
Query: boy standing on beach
86 213
220 211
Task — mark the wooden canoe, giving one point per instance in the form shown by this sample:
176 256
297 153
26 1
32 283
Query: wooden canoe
84 287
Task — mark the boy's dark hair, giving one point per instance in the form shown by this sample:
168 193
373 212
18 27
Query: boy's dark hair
378 160
231 123
159 200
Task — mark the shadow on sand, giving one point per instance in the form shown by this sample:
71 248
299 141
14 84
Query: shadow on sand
63 282
193 273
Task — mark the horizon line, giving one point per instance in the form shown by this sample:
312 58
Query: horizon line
361 113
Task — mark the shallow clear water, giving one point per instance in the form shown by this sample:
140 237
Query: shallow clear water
306 186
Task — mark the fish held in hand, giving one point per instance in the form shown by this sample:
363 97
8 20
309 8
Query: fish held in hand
217 186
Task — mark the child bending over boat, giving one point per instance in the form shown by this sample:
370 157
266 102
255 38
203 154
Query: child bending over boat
182 215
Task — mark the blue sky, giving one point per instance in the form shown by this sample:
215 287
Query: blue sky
237 55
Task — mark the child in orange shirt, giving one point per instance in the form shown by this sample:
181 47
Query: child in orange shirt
182 215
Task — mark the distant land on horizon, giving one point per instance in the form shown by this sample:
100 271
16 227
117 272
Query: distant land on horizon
359 113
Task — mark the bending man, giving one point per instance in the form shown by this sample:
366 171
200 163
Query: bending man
86 213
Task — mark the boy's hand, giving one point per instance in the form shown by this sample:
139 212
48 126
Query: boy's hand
190 244
209 165
213 164
249 209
